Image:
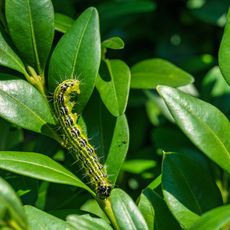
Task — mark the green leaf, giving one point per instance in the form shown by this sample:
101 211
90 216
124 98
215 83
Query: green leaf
203 123
147 210
214 219
213 84
163 219
115 43
138 166
40 220
82 222
62 22
39 166
12 212
188 188
149 73
118 148
9 58
112 135
126 212
31 27
224 51
118 9
17 102
115 92
77 55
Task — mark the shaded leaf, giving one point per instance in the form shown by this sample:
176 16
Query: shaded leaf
188 188
108 134
149 73
12 213
163 218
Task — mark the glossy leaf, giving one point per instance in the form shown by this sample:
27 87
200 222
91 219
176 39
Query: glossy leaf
118 148
12 212
9 58
188 188
115 92
224 50
149 73
163 218
126 212
17 102
38 166
82 222
40 220
147 210
31 27
115 43
108 134
203 123
77 55
62 22
215 219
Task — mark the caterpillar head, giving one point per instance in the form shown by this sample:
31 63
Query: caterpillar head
103 191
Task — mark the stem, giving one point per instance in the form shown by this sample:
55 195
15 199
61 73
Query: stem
106 206
36 80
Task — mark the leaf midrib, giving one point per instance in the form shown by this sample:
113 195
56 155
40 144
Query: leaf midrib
78 45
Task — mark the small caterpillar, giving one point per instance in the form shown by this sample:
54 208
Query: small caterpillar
75 141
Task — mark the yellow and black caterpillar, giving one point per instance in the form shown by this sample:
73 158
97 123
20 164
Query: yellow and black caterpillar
75 141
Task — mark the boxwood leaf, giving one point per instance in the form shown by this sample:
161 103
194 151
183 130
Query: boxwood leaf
39 166
77 55
12 212
31 27
110 135
126 212
163 219
115 92
24 106
9 58
188 188
82 222
62 22
215 219
203 123
40 220
149 73
147 210
115 43
224 51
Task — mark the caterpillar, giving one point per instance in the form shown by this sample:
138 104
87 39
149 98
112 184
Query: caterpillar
75 141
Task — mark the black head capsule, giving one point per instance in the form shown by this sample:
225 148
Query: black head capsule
103 191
